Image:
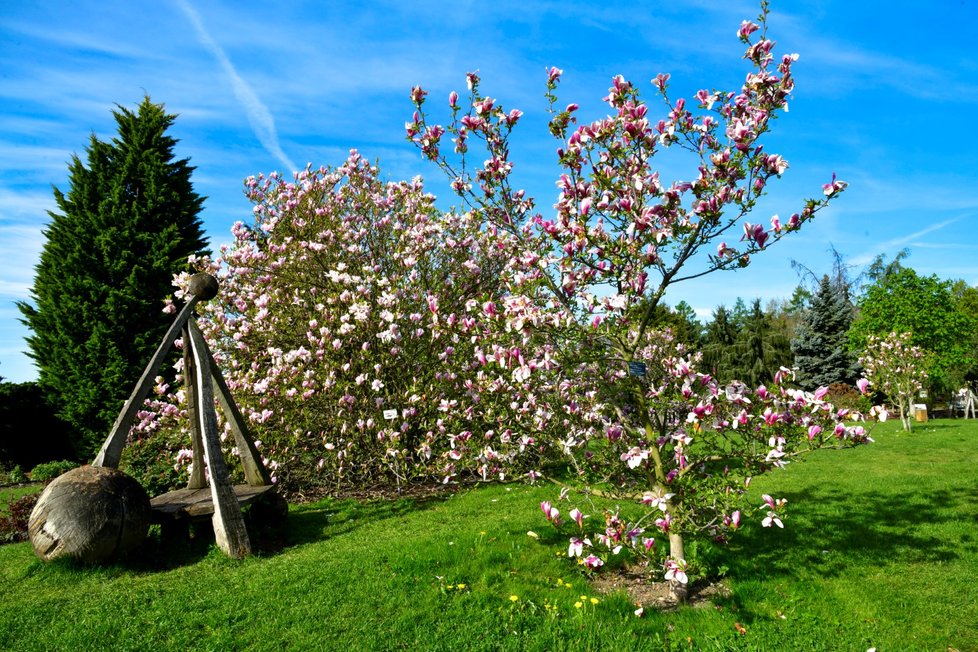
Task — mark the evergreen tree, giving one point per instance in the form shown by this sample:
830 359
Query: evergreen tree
821 342
759 350
128 222
739 315
688 329
681 321
718 339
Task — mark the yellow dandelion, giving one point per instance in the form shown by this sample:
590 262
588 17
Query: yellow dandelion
450 587
595 601
583 598
460 587
578 605
514 598
560 582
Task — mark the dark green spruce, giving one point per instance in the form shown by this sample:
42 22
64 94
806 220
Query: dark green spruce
821 343
128 222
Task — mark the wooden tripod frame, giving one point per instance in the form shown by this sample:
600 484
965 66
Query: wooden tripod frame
204 383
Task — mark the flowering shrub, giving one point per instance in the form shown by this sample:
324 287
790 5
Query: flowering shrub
843 395
643 422
684 450
352 325
896 368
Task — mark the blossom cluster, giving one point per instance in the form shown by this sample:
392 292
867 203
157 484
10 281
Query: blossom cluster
644 422
683 449
897 368
355 326
370 337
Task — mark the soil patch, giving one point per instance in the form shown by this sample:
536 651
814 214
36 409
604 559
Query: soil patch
656 595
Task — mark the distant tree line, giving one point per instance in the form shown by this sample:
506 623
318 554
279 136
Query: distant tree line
822 328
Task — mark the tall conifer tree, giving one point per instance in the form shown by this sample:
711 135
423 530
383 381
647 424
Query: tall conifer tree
718 338
821 343
128 222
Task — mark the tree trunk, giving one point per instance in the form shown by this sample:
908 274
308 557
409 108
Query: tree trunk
906 416
678 590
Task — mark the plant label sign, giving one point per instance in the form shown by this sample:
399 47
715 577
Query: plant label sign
390 414
637 369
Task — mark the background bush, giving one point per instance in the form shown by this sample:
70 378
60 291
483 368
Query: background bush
30 432
48 471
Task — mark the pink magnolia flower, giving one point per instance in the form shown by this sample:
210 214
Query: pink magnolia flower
664 522
550 512
834 187
656 499
863 385
418 94
592 562
755 233
576 547
772 514
676 571
772 517
578 517
634 456
746 29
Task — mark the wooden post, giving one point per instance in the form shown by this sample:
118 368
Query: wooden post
230 533
197 477
111 451
255 472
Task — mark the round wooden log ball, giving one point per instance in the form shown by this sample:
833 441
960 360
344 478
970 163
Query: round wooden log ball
91 514
203 286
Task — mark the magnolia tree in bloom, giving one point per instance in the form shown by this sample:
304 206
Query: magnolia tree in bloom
897 368
643 423
352 325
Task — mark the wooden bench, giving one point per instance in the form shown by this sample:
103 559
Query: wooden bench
198 503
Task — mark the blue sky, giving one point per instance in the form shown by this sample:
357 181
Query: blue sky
884 97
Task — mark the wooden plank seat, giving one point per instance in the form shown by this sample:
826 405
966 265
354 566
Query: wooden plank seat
194 503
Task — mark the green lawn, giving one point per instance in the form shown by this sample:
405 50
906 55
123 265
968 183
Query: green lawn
880 550
11 493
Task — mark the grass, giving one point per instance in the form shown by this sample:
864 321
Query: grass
11 493
880 550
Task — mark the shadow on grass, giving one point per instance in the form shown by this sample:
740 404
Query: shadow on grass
877 530
877 527
331 518
187 543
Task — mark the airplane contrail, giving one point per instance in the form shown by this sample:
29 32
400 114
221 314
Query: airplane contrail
899 242
259 117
